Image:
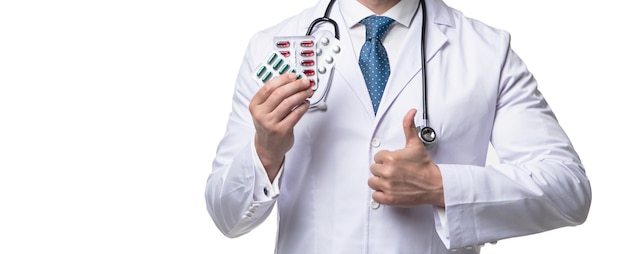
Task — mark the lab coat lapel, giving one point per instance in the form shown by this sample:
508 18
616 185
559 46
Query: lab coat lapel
409 66
347 68
405 70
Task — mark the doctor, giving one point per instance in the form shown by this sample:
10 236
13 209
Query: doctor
356 179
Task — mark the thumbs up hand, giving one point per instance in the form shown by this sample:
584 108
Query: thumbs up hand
406 177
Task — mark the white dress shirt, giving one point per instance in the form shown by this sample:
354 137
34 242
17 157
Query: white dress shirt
403 13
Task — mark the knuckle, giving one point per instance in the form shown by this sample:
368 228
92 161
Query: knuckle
252 108
289 102
266 89
280 92
372 182
385 173
389 199
389 157
385 185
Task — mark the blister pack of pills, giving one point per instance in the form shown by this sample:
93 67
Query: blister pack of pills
306 56
274 66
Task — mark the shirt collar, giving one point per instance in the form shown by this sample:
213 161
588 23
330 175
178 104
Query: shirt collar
402 12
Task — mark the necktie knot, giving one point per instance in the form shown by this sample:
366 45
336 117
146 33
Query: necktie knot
376 27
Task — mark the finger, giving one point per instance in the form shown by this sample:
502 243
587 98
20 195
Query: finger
284 95
374 183
410 131
296 114
291 103
268 88
381 173
380 156
376 169
381 198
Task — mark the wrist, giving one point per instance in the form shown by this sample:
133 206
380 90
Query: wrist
438 198
271 163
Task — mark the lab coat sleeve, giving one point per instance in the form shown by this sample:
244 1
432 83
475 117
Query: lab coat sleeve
239 195
539 184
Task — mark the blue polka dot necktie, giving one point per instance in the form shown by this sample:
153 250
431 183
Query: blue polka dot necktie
373 60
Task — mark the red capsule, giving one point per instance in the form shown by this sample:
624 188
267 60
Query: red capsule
285 53
307 53
283 44
309 72
307 44
307 63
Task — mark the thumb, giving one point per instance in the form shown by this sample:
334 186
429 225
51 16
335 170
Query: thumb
410 131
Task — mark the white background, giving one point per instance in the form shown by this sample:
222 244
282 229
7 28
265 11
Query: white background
110 113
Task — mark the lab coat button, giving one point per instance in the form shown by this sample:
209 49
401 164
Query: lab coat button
374 205
375 142
266 191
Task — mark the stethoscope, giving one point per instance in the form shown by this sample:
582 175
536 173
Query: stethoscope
425 132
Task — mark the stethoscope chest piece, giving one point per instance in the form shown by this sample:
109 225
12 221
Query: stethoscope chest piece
428 136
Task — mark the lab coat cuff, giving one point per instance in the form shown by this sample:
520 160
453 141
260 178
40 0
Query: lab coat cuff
458 230
441 225
264 189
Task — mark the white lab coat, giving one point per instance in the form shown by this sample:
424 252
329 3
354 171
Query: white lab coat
479 91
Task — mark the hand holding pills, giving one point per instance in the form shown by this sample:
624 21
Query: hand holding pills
276 108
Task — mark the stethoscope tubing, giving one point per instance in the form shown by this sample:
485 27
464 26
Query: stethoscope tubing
426 133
